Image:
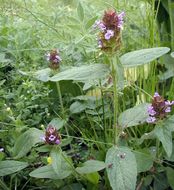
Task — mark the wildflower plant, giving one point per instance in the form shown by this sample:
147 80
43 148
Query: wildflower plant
125 138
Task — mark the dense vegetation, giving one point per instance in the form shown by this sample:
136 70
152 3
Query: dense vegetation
87 94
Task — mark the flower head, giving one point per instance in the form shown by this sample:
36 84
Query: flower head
110 30
52 136
54 59
159 108
1 149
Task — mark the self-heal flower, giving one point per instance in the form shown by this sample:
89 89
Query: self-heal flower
159 108
109 34
52 136
54 59
110 30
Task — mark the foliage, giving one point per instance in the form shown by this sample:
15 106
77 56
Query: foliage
96 104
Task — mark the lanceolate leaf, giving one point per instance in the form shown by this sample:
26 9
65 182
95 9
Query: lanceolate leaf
91 166
121 168
134 116
56 159
83 73
80 12
11 166
164 135
143 56
48 172
144 160
43 75
26 141
59 168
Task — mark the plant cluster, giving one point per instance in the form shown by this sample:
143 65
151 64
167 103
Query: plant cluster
77 115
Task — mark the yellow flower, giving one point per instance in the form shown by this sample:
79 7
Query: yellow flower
49 160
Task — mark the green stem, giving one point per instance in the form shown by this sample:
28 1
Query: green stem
61 105
171 14
3 185
157 148
115 98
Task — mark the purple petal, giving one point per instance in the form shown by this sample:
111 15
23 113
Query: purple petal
102 27
151 120
168 109
97 22
120 20
100 43
109 34
151 111
156 94
57 141
52 138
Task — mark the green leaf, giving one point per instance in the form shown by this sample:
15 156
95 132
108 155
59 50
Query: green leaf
57 123
90 22
91 166
172 54
56 159
74 186
59 169
144 160
163 133
168 62
77 107
170 176
80 12
26 141
43 75
93 177
160 182
122 168
134 116
11 166
48 172
83 73
143 56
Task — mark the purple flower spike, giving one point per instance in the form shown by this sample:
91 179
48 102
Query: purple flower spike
1 149
109 34
120 20
151 120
